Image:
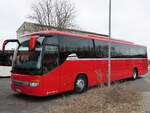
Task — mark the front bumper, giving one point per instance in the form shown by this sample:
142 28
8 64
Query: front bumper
32 91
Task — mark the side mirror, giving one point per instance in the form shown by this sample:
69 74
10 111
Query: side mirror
8 41
32 43
7 55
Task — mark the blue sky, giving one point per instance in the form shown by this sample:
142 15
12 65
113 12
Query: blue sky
130 18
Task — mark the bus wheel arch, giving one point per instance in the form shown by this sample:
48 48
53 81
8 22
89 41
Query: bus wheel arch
81 83
135 73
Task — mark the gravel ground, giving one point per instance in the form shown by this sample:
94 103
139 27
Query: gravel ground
118 99
125 97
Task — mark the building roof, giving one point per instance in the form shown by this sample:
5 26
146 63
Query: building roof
31 24
34 27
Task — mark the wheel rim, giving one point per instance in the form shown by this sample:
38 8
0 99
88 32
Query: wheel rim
134 75
80 84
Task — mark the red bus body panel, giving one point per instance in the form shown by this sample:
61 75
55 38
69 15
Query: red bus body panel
62 78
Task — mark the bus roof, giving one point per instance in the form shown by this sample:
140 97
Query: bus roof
84 35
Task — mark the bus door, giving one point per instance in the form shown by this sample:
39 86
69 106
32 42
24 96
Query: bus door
51 68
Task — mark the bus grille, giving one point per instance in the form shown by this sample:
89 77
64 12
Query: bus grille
20 83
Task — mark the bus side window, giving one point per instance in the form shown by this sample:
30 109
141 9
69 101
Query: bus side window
50 59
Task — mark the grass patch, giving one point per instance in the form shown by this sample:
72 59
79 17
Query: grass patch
120 98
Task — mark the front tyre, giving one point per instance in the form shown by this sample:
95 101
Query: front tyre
135 74
80 84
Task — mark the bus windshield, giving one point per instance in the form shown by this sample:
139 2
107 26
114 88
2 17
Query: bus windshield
28 62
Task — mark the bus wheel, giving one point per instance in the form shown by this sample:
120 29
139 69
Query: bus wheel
135 74
80 84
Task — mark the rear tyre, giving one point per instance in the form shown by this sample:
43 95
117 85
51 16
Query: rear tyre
135 74
80 84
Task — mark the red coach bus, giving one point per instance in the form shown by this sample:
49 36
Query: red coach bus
51 62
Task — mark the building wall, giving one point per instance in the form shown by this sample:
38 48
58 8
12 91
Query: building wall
27 28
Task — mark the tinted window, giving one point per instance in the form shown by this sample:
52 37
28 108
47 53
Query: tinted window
138 52
82 47
101 49
127 51
115 51
6 58
28 62
142 52
52 39
120 51
50 58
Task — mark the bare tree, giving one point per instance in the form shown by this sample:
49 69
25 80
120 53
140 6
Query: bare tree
57 13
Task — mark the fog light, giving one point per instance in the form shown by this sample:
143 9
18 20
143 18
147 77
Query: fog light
18 90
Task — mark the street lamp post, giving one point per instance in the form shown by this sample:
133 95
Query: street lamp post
109 47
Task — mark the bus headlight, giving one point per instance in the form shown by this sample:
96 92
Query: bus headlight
34 84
